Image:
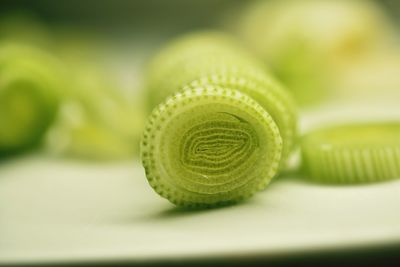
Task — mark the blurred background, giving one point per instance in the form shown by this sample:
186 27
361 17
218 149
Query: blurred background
323 51
72 73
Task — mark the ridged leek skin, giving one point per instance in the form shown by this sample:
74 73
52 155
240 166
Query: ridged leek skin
30 84
214 58
350 154
207 146
221 128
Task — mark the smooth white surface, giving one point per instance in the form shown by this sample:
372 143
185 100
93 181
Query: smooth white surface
58 210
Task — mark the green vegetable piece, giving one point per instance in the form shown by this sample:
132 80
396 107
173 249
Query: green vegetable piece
100 119
225 129
353 153
29 92
307 42
207 146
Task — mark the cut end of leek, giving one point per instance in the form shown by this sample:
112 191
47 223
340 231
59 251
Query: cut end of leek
353 153
208 146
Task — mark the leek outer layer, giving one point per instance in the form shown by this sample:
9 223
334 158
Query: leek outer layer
357 153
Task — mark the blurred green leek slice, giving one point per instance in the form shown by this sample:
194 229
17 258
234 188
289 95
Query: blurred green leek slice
99 118
214 58
353 153
78 134
371 78
307 41
207 146
96 120
30 87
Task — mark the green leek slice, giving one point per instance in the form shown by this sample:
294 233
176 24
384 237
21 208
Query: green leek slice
208 146
30 84
353 153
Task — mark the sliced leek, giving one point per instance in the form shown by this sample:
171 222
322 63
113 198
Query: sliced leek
222 127
209 146
29 93
353 153
308 42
